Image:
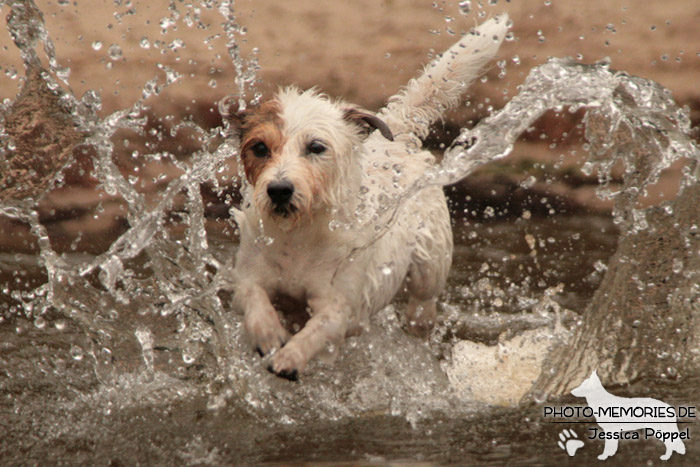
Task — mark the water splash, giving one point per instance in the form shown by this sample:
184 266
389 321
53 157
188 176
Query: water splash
150 272
628 119
182 271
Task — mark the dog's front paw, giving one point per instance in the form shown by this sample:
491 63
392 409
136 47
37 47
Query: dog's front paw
287 363
265 337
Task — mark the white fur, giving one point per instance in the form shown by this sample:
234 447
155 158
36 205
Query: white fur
444 81
326 253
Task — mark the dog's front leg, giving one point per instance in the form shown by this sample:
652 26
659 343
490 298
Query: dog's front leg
325 328
262 324
609 449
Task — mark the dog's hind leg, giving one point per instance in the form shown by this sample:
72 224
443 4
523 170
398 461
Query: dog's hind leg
679 446
667 455
676 445
420 316
427 274
425 282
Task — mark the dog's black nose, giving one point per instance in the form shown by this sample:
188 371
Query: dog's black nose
280 192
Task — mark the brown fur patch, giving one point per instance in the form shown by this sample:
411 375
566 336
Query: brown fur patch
367 120
261 125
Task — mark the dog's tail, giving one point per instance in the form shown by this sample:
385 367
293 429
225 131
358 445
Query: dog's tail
443 82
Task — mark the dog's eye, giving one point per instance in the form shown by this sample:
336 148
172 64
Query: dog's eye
316 147
260 150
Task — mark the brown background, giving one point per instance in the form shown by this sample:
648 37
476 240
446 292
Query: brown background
363 51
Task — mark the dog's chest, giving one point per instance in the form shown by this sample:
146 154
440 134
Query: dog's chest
299 270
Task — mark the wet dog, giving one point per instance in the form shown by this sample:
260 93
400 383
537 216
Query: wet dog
316 229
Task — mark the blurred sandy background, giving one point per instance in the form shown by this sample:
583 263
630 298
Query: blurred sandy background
363 51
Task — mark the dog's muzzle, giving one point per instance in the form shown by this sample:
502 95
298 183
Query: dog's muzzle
280 194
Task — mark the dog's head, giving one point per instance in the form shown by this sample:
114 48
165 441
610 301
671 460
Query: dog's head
299 153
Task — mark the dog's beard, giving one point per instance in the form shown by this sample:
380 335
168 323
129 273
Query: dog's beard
314 192
284 211
286 216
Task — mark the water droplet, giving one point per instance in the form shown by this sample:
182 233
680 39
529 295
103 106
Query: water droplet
529 182
176 44
92 99
187 358
530 241
264 240
677 265
76 352
97 45
165 23
587 169
105 354
115 52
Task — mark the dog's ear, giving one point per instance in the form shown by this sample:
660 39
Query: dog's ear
232 117
368 121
